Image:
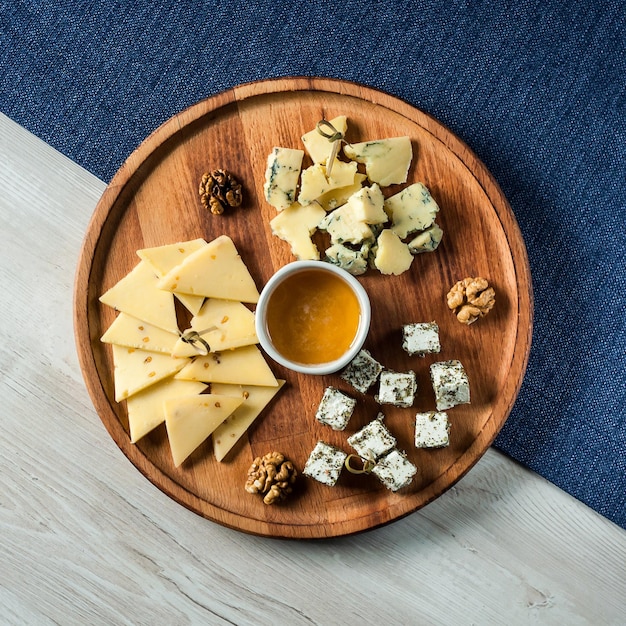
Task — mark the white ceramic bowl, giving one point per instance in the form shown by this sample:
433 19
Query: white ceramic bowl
363 327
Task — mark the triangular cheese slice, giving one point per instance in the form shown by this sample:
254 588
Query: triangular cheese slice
145 408
230 431
190 420
234 322
214 271
138 295
243 366
131 332
163 258
137 369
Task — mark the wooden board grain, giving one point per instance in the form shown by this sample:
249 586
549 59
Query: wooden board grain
153 200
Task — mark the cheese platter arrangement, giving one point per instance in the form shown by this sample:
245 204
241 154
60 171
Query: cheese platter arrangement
180 363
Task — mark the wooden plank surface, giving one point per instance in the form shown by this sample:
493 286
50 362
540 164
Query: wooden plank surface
86 539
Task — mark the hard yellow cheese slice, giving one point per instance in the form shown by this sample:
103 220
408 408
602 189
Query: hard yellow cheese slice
317 145
138 295
137 369
226 435
234 322
145 408
131 332
214 271
243 366
190 420
163 258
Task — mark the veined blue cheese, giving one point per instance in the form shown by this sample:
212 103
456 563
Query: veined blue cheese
432 430
315 182
342 226
411 210
281 176
338 197
426 241
373 440
421 338
317 145
354 262
397 388
362 372
335 409
387 161
295 225
367 205
394 470
450 384
325 463
392 255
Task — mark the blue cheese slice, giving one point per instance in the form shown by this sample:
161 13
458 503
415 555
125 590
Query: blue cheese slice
319 147
394 470
367 205
281 176
373 440
391 256
411 210
397 388
450 384
362 372
426 241
325 463
421 338
338 197
387 161
335 409
355 262
344 227
432 429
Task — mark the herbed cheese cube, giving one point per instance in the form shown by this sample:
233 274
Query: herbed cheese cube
325 463
281 176
392 255
450 384
427 241
295 225
354 262
432 430
362 372
373 440
394 470
387 161
397 388
411 210
335 409
421 338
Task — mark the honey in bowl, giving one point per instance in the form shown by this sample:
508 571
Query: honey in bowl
313 317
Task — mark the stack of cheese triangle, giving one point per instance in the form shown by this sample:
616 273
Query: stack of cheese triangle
161 376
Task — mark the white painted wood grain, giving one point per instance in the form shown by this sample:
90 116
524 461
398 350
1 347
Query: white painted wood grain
85 539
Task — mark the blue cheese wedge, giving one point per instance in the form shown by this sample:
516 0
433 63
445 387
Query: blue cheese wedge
411 210
432 430
319 147
281 176
362 372
421 338
367 205
387 161
315 182
355 262
338 197
392 255
344 227
397 388
426 241
335 409
325 463
295 225
450 384
394 470
373 440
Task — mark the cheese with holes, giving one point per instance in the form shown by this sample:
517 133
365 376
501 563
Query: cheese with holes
190 420
139 295
281 176
411 210
243 366
255 400
213 271
131 332
295 225
317 146
387 161
145 408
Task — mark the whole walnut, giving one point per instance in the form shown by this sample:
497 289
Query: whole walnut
471 299
219 190
272 476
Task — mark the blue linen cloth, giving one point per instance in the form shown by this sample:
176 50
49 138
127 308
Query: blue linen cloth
536 87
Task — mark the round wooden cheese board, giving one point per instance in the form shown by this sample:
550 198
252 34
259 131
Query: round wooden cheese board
153 200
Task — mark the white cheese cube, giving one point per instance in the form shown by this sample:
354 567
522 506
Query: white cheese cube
335 409
426 241
392 255
295 225
362 372
342 226
411 209
281 176
432 430
325 463
318 146
394 470
354 262
387 161
450 384
373 440
421 338
367 205
397 388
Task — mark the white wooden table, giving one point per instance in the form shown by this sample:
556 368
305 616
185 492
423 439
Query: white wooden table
86 539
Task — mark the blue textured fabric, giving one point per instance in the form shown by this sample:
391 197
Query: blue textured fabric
536 87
